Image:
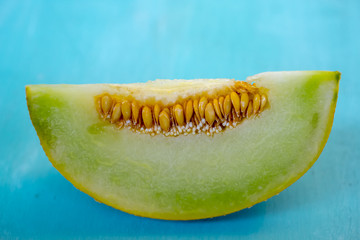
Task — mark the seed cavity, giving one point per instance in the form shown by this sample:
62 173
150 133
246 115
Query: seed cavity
200 114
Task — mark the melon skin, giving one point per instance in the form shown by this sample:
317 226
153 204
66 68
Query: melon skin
194 176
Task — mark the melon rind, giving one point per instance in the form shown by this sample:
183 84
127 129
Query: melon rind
193 176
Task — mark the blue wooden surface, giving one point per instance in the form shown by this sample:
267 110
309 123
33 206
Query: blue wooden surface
131 41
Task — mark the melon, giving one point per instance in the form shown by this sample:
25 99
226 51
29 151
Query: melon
186 149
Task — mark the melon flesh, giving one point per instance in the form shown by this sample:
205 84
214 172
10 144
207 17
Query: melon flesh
193 176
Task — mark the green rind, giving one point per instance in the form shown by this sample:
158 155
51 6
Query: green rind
183 204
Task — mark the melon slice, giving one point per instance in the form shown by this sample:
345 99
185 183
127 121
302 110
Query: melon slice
144 170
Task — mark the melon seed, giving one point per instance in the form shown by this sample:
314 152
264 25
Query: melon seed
189 111
147 118
263 102
126 110
164 120
256 104
135 109
210 114
156 113
106 103
217 108
202 104
116 113
235 99
244 102
227 106
221 103
196 109
179 114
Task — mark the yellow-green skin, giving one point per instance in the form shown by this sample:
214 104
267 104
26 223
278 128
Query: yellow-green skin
194 176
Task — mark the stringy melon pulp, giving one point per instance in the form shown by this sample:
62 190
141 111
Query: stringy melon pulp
194 176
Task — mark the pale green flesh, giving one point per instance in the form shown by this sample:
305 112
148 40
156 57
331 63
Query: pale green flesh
194 176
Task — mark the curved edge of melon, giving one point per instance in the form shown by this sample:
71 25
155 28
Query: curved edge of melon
162 217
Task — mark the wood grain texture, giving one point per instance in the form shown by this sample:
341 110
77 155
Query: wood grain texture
135 41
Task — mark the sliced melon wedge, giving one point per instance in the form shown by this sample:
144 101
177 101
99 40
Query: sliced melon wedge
190 176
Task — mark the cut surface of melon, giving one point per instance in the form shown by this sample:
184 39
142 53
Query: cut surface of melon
189 176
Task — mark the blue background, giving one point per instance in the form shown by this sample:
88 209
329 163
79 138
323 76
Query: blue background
135 41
